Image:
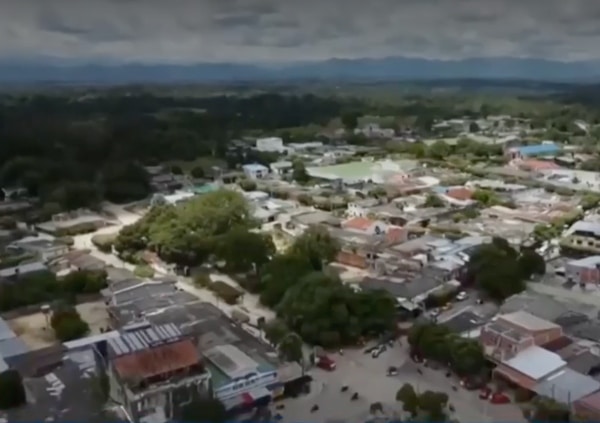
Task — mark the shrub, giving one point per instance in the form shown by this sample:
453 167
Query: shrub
104 242
68 325
226 292
143 271
13 392
202 280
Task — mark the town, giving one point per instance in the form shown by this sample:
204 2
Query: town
373 268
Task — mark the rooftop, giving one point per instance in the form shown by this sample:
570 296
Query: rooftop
536 362
528 321
156 360
543 148
464 322
567 386
231 361
66 391
591 401
358 223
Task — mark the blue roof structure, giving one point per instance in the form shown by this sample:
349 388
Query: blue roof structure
539 149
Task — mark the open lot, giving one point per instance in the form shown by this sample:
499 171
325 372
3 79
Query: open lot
367 376
35 329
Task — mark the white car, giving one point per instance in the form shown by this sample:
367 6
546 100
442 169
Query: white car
462 296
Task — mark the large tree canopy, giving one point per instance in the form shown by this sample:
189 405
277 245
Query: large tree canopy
189 233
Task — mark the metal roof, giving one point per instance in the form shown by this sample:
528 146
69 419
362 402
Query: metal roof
5 330
140 340
12 347
536 362
23 269
567 386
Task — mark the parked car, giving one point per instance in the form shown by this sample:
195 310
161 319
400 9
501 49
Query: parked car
462 296
499 398
326 363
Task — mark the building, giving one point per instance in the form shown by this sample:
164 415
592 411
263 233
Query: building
255 171
13 274
45 249
61 386
510 334
270 144
237 379
583 236
64 224
154 371
588 407
11 345
546 148
361 208
282 168
530 367
585 271
365 225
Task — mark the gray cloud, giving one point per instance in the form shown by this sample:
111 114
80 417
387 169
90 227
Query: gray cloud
284 30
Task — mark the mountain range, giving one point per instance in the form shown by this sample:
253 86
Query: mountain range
385 69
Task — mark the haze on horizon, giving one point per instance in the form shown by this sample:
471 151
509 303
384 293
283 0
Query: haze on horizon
254 31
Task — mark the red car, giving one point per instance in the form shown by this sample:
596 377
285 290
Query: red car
326 363
499 398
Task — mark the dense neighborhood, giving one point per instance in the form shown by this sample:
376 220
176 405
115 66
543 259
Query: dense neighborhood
437 267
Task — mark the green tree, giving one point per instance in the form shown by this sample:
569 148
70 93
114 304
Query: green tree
485 197
290 348
247 185
299 172
12 390
317 245
531 263
281 274
243 250
67 324
547 410
409 399
433 200
495 270
350 120
275 330
204 410
473 127
197 172
440 150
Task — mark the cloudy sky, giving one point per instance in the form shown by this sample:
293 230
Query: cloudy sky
287 30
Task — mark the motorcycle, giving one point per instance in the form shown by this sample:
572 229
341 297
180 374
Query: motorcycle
314 408
344 388
354 396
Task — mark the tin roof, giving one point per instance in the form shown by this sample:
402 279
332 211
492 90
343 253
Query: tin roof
158 360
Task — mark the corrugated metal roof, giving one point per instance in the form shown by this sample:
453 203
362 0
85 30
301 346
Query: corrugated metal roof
5 330
12 347
567 386
23 269
157 360
145 338
536 362
538 149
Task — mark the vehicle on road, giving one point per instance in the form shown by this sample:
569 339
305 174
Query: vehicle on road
326 363
462 296
392 371
499 398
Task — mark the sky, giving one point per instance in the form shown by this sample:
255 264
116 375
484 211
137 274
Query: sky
255 31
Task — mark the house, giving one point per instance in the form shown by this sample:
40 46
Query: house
584 271
365 226
281 168
45 249
13 274
583 235
588 407
510 334
237 377
530 367
361 208
546 148
255 171
10 345
153 371
270 145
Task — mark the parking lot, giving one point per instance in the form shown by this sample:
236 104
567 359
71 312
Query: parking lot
367 376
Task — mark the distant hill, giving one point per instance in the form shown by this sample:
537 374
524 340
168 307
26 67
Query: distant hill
387 69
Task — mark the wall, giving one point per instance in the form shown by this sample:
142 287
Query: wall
349 258
236 388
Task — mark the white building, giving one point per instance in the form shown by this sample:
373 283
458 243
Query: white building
361 208
255 171
282 168
270 144
239 375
